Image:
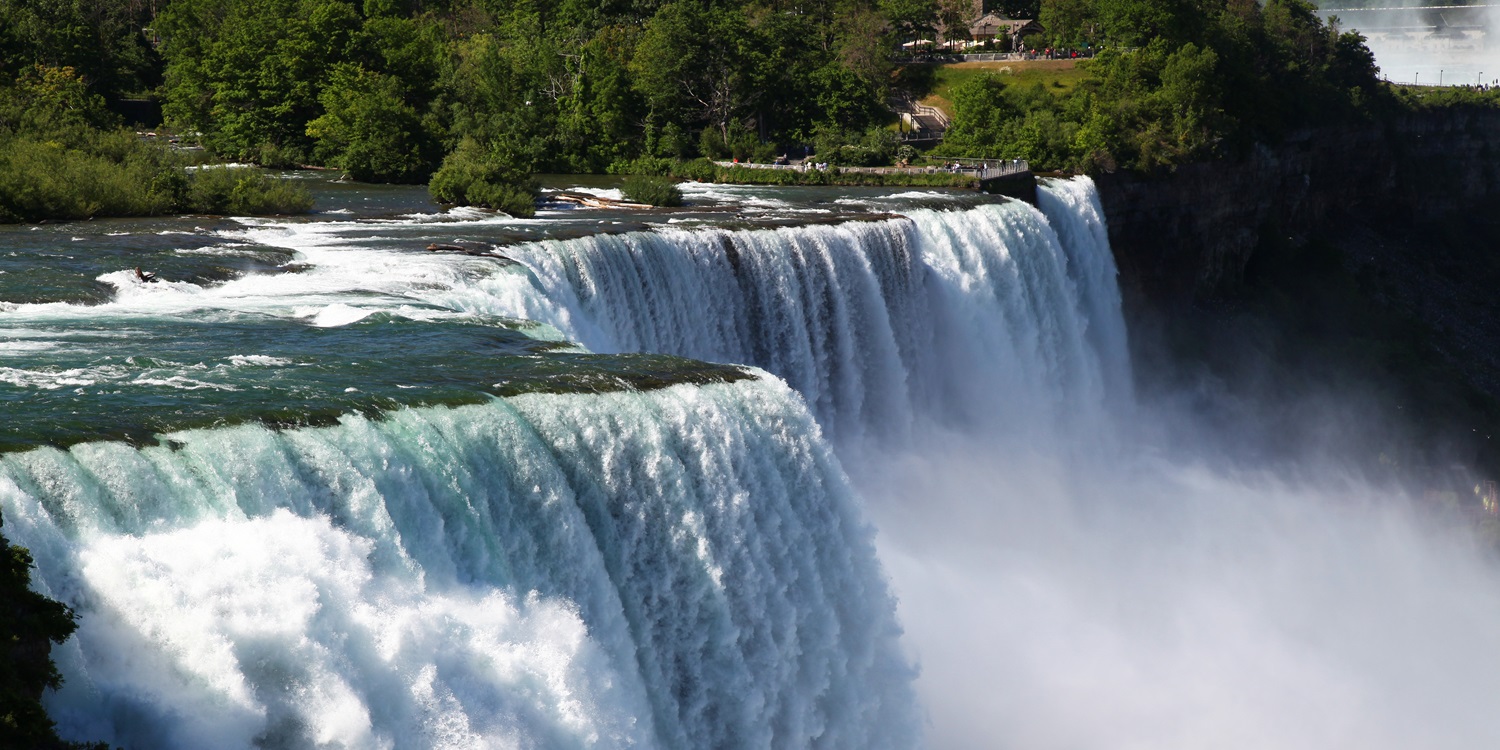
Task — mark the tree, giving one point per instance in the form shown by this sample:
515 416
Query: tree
981 113
368 130
689 67
251 80
911 18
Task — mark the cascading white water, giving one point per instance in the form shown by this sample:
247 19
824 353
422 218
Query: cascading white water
686 568
1000 312
1055 594
682 568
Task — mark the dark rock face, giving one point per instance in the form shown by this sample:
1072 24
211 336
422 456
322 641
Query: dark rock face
1188 236
1342 260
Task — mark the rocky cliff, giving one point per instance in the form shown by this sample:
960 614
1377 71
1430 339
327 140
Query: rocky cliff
1355 260
1187 236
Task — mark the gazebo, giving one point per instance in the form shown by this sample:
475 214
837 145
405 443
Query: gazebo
991 26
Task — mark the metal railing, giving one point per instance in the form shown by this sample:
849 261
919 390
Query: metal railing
1003 168
933 112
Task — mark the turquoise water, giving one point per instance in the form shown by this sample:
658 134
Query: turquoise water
612 479
296 321
318 485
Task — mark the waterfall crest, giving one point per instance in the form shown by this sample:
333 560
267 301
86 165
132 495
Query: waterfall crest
682 568
997 312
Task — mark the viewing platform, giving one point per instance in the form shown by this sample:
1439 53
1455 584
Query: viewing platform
1008 177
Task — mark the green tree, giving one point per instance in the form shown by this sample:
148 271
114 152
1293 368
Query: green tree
981 112
368 130
688 65
249 73
474 175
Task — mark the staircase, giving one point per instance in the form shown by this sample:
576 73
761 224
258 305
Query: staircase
922 122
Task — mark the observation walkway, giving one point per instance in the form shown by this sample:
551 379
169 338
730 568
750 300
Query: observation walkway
1009 177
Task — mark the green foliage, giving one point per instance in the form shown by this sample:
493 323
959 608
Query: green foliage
222 190
32 623
102 40
751 176
248 73
112 174
474 175
382 88
652 190
872 148
368 130
1177 82
1433 97
56 162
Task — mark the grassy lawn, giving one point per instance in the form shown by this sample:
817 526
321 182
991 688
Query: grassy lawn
931 83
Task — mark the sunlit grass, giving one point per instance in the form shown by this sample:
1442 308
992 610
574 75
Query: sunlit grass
1057 76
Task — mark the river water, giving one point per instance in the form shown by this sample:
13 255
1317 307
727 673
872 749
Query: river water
782 468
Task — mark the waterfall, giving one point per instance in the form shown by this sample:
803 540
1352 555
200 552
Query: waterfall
1000 312
679 568
682 568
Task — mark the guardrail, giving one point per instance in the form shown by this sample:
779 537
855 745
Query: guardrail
933 112
1003 168
984 169
960 57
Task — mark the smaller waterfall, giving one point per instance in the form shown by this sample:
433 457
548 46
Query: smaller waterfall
997 313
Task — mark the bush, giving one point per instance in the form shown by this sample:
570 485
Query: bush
32 623
475 176
697 170
63 156
875 147
220 190
77 172
652 190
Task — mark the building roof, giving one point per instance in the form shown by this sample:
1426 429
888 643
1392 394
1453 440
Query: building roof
994 24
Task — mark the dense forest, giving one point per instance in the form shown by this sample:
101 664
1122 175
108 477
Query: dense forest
477 95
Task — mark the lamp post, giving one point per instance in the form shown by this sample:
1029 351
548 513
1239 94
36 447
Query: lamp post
1440 77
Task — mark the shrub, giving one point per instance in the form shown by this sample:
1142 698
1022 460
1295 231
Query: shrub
697 170
873 148
652 190
475 176
220 190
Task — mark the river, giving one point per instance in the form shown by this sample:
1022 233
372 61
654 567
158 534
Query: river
782 468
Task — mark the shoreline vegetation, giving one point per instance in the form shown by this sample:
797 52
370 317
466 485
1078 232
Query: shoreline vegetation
64 156
475 97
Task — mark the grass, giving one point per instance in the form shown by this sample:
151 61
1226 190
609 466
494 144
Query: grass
931 83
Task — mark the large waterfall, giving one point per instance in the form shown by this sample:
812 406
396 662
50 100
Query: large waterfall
682 568
375 496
